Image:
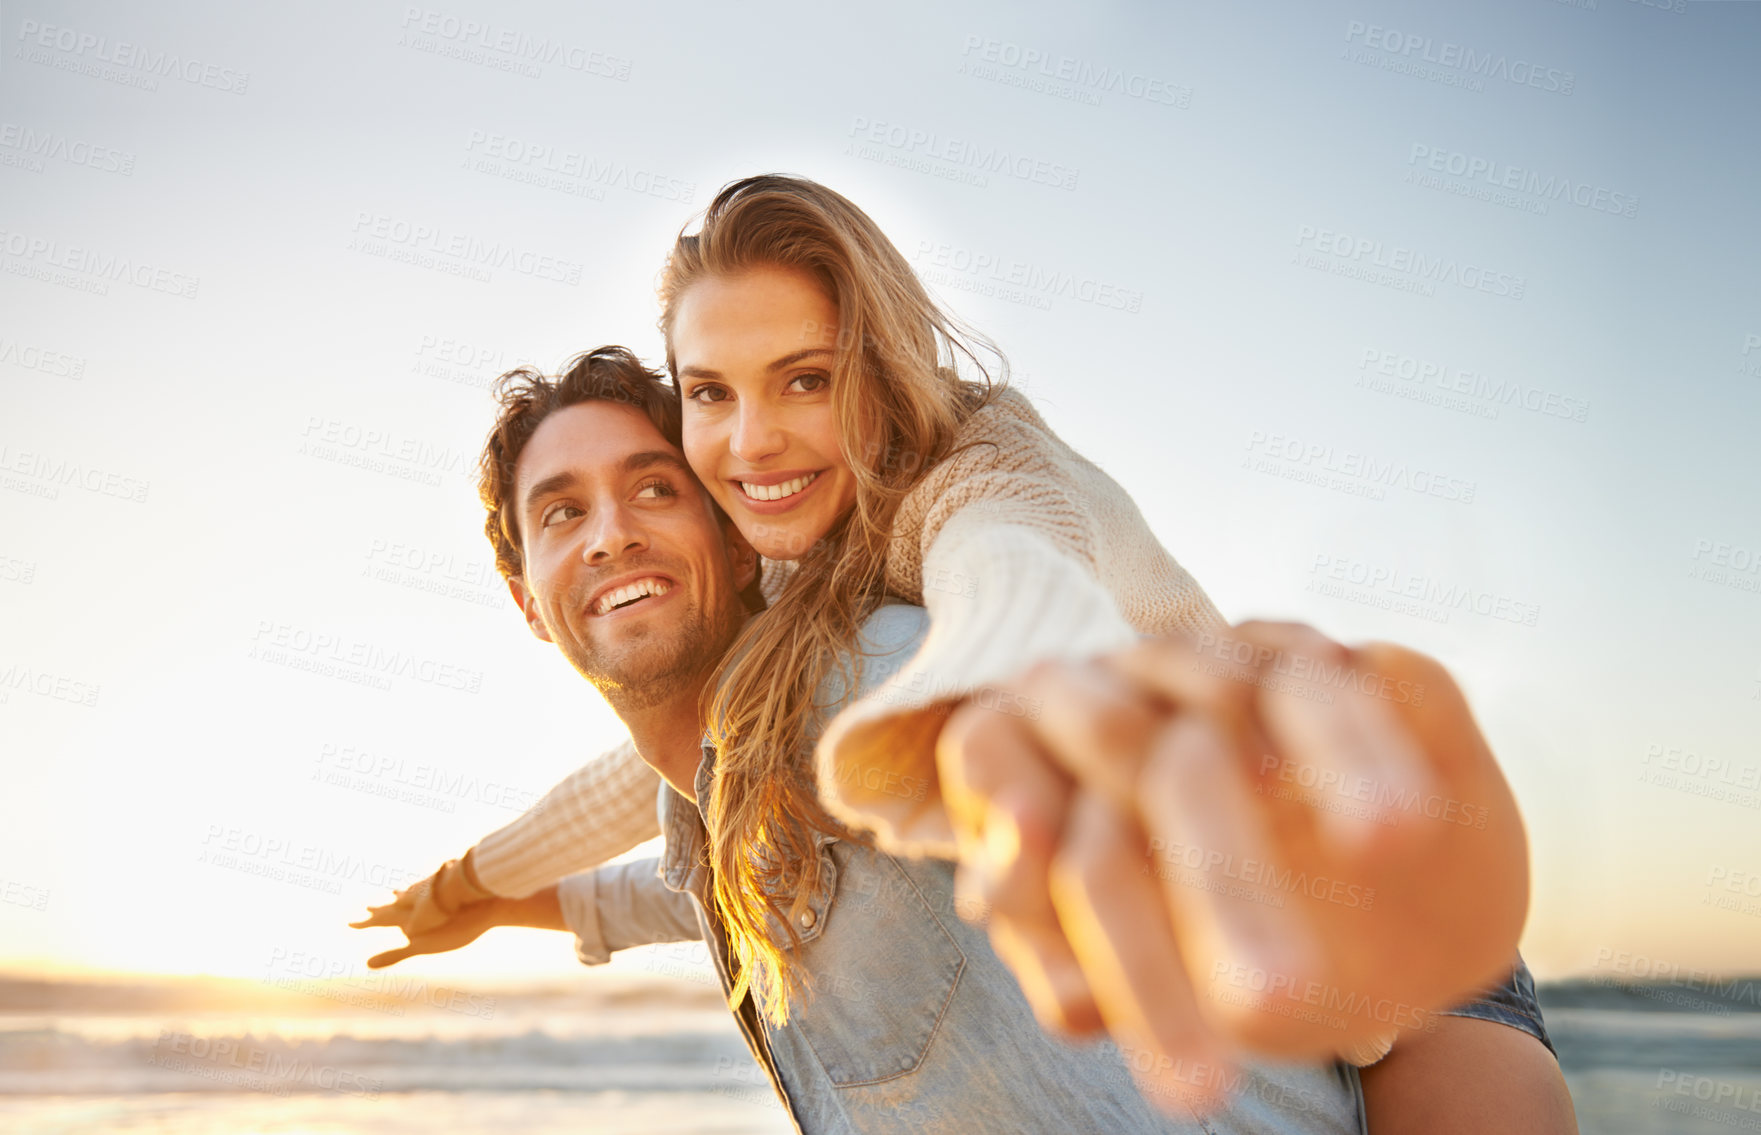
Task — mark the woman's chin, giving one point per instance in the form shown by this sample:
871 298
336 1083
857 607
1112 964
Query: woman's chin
784 541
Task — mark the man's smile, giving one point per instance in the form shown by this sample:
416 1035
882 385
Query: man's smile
630 591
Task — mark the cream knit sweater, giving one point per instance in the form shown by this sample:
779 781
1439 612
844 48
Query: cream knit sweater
1020 549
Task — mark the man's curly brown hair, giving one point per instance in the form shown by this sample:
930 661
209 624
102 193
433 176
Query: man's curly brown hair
527 397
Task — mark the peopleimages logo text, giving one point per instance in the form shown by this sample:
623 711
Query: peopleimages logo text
1399 258
38 250
1098 78
133 57
1455 56
74 151
1501 175
432 240
515 44
1363 466
963 152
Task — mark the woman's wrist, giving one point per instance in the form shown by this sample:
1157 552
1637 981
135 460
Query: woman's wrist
540 910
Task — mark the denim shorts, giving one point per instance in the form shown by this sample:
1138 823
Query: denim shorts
1512 1003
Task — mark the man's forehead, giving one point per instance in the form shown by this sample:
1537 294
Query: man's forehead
589 440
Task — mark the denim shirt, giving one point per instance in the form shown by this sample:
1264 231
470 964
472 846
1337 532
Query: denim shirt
913 1023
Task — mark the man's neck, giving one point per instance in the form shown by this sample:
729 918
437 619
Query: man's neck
668 734
669 738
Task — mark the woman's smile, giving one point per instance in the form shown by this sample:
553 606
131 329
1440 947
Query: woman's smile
771 493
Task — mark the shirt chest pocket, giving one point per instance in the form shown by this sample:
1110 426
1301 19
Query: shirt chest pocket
884 969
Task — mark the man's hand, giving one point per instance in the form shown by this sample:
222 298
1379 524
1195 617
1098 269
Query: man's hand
1259 840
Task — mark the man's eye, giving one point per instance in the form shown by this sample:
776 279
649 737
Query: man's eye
559 513
812 382
707 393
655 489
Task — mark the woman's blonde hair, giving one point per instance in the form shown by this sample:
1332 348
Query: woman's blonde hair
899 402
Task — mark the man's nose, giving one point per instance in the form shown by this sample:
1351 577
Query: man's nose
758 435
615 531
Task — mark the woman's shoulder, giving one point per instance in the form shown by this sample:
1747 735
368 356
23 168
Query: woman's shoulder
1005 466
1005 434
1005 409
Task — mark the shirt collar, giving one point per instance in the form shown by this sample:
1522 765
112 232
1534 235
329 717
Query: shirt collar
684 864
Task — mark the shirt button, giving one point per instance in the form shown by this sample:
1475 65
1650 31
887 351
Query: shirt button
808 918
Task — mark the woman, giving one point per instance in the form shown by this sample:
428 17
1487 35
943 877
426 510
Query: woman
822 411
857 456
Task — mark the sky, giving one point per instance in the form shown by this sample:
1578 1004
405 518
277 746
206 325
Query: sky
1435 323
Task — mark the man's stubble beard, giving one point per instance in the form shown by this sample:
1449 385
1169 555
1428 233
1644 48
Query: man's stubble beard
646 672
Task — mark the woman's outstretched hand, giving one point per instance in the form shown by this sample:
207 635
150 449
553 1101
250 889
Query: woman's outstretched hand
1253 841
433 910
463 927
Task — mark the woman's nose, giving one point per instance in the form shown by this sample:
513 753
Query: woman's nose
757 434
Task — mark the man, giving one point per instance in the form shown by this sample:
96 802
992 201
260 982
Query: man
618 557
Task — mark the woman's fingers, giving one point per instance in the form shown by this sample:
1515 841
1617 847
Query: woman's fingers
1342 708
1214 670
392 957
1216 854
1049 976
1117 923
394 913
1094 723
1237 889
413 910
1024 824
1332 741
1007 804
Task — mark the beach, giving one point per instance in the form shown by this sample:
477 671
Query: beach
637 1056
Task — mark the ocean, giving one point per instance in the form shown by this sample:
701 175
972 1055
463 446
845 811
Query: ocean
383 1056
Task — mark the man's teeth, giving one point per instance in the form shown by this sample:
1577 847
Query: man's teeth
629 592
777 492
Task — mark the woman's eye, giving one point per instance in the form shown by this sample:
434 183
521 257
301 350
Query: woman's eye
707 393
812 382
558 514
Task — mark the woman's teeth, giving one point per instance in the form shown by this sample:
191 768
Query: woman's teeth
777 492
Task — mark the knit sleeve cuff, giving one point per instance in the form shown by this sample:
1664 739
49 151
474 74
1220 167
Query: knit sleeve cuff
1366 1052
1001 597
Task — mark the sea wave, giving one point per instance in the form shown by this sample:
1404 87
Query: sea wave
58 1060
